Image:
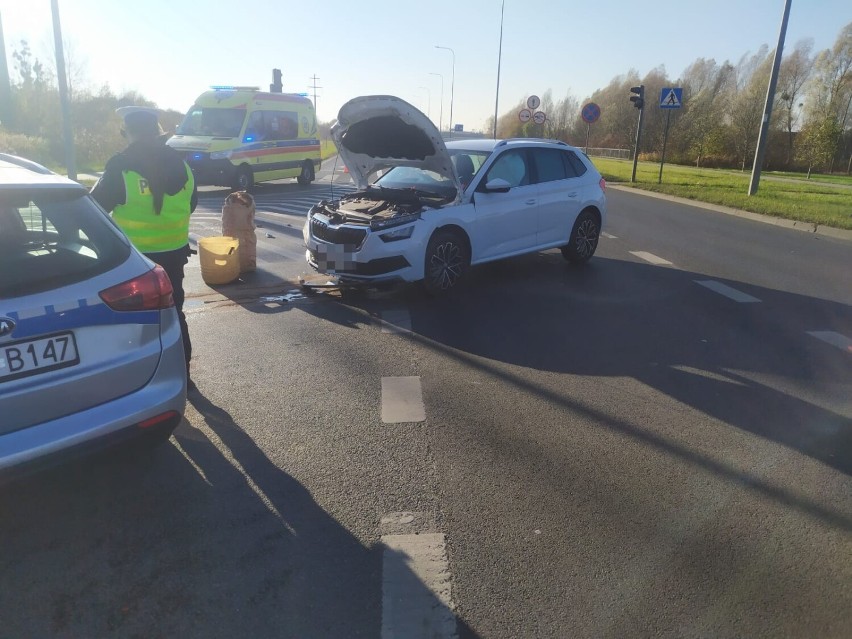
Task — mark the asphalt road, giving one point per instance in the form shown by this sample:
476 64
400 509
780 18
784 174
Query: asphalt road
657 444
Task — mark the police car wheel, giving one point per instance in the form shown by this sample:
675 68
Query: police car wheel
244 179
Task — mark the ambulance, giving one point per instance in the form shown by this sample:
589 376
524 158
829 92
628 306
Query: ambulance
236 136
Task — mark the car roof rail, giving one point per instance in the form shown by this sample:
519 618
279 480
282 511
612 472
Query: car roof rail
528 140
25 164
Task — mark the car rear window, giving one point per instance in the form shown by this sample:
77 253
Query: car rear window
54 238
573 164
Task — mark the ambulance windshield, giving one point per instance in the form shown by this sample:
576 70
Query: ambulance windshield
212 122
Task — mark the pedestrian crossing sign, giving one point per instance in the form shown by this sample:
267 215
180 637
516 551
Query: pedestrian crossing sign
671 98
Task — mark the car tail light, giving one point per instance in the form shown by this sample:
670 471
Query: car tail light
148 292
602 184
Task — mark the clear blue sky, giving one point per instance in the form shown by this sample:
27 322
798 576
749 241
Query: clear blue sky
172 50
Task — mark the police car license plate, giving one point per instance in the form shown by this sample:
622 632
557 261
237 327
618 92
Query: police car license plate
34 356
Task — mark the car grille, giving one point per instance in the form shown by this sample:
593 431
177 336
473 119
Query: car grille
337 235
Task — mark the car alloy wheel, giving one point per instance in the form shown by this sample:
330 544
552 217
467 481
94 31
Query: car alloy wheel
446 262
584 239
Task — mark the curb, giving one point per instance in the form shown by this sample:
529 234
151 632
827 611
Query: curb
808 227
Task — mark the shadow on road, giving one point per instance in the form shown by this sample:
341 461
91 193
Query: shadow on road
618 319
205 537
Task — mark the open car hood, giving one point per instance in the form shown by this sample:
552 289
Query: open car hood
377 132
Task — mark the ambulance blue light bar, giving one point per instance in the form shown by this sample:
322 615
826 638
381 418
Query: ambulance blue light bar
234 88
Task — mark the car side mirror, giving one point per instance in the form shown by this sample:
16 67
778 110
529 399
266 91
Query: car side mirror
497 185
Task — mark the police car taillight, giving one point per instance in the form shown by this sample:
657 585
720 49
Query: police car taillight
148 292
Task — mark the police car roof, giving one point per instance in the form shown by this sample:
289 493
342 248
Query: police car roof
16 172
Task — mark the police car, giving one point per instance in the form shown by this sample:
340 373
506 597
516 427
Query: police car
90 346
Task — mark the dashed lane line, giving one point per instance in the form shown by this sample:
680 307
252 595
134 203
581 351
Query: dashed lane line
416 588
402 400
728 291
835 339
650 257
609 236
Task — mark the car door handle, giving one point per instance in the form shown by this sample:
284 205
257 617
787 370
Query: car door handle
573 194
529 202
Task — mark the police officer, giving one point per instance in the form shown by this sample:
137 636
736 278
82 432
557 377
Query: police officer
151 193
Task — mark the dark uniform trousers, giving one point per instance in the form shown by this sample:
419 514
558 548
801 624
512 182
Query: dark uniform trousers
173 263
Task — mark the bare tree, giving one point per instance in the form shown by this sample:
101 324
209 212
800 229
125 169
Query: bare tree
746 103
76 66
830 89
796 70
702 127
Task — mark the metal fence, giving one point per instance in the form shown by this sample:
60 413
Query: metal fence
621 154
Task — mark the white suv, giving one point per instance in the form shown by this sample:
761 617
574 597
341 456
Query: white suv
439 208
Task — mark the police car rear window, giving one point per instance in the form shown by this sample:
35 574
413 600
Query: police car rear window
50 239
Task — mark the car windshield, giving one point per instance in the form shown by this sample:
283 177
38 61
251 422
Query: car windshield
54 238
467 164
213 122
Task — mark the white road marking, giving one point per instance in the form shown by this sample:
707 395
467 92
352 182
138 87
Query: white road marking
609 237
727 291
402 400
396 321
835 339
416 588
650 257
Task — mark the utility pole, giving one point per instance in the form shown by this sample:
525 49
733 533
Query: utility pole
63 92
6 108
314 86
760 153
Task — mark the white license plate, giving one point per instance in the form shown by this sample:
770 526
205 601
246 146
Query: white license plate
33 356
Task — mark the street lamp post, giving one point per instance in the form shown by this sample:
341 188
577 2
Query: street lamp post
441 116
428 101
499 62
452 84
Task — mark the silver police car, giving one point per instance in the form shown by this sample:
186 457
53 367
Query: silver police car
90 345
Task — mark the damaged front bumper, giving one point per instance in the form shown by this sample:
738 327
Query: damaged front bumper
355 253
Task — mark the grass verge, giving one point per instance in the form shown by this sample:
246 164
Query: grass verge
807 201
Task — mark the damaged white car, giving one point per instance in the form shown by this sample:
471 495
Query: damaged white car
439 208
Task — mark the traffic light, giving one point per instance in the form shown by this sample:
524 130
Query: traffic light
638 99
276 86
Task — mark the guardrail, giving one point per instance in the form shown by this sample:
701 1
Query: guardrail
621 154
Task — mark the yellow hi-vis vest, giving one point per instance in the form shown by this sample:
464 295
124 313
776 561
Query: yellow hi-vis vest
149 232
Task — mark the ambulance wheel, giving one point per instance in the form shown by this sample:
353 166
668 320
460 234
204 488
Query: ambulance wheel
244 179
307 175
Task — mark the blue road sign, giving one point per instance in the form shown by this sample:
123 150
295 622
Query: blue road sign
590 113
671 98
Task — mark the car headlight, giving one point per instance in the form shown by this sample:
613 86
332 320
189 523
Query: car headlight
398 220
399 234
220 155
